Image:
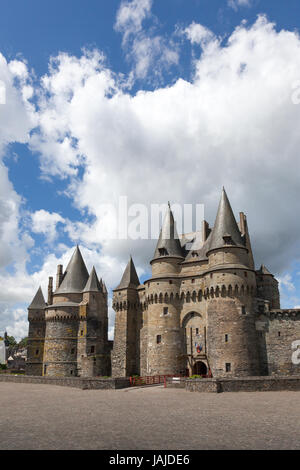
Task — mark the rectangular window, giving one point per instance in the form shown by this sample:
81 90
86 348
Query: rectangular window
81 333
72 351
279 333
37 352
193 280
92 349
197 331
158 339
226 338
166 310
228 366
243 310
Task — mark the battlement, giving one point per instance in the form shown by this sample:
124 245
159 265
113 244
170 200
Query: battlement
284 314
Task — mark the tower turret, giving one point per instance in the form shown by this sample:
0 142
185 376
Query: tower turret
36 334
168 252
126 350
74 279
267 287
164 334
72 327
92 351
230 291
63 320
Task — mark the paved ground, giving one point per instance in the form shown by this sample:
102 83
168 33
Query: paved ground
52 417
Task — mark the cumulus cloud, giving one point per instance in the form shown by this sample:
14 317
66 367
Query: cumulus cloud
199 34
17 117
287 282
235 4
233 124
131 15
45 222
147 50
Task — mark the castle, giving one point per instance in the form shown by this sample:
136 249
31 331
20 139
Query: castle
205 310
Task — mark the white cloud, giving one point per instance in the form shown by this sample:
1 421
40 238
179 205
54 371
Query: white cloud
235 4
199 34
131 15
45 222
233 124
19 327
286 281
148 52
17 117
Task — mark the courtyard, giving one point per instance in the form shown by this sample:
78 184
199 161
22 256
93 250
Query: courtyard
52 417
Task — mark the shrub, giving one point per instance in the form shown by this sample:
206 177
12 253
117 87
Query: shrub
195 376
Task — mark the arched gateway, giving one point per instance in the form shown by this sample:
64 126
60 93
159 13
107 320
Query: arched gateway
199 368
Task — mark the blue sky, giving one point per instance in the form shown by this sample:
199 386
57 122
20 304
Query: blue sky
155 100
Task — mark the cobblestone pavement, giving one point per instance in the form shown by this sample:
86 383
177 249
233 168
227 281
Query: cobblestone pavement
52 417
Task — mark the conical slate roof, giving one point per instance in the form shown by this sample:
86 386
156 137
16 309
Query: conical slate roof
38 301
75 276
225 225
264 270
93 284
168 243
200 253
130 277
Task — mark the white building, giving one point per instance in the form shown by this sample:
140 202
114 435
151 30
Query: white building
2 351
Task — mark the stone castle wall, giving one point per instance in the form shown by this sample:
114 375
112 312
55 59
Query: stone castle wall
278 330
36 340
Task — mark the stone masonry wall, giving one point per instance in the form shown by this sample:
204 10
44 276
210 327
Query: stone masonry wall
35 348
277 332
77 382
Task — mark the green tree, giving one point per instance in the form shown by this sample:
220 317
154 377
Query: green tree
23 343
12 344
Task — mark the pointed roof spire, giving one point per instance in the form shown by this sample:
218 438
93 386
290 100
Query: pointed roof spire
38 301
75 276
130 277
93 284
264 270
225 229
168 243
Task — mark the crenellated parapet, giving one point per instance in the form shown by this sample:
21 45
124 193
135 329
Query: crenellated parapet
283 314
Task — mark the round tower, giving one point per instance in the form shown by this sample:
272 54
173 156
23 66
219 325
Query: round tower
230 291
267 287
64 328
164 335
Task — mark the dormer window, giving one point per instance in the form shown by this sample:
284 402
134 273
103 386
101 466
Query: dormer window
227 239
162 252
